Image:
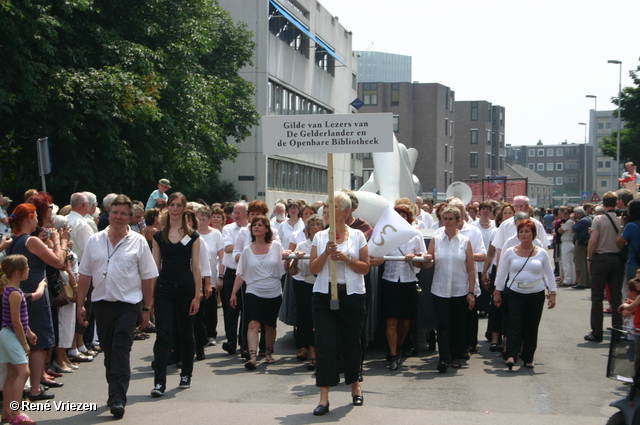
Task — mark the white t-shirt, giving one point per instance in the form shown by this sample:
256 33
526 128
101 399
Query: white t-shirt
213 240
262 272
537 268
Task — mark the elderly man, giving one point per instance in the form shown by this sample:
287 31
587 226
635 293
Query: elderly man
231 315
581 241
422 215
91 210
80 229
122 268
605 265
508 227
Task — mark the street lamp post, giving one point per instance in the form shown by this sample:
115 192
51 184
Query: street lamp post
594 181
619 63
584 170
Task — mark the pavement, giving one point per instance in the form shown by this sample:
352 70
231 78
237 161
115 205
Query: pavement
567 386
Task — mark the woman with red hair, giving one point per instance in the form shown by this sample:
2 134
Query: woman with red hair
529 272
398 288
25 220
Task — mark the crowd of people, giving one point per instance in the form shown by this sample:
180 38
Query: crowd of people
78 282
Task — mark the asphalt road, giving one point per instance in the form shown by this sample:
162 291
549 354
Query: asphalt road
568 385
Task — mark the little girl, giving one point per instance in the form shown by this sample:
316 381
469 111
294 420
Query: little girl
15 332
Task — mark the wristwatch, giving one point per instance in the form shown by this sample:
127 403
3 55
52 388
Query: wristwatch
146 309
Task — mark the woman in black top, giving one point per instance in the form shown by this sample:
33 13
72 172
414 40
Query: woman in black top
178 291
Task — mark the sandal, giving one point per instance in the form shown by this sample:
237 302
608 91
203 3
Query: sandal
268 358
22 419
455 364
312 364
251 363
493 347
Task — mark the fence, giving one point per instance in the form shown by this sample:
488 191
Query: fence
499 189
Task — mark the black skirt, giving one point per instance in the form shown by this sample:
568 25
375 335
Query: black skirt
263 310
399 300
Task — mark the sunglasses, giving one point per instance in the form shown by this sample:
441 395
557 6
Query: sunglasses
636 280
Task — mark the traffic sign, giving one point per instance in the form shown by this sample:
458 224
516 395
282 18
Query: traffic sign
595 197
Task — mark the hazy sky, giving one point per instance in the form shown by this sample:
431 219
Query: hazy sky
537 59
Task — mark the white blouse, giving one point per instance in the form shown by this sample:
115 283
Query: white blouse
400 271
262 272
303 265
286 230
538 268
352 246
450 278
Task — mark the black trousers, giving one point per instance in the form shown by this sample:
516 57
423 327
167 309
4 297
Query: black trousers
115 322
606 268
211 316
523 318
451 316
173 302
494 323
304 314
338 328
232 316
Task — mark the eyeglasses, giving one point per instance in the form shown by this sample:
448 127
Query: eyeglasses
636 280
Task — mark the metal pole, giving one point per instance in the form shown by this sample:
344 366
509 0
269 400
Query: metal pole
619 63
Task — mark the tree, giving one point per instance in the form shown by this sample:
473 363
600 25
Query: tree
127 92
630 135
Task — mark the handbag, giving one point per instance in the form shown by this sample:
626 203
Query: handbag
57 295
66 287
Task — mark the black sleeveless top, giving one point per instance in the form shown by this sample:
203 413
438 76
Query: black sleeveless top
176 260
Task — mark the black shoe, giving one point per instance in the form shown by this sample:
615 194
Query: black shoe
358 400
579 287
509 364
117 409
185 382
321 410
52 384
42 396
200 354
158 390
442 367
393 365
229 348
592 338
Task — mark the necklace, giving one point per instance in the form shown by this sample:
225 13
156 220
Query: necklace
526 250
485 224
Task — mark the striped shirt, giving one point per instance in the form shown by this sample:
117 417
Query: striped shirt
6 310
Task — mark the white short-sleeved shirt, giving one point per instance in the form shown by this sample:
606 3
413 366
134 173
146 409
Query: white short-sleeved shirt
262 272
243 239
477 245
80 233
303 265
450 278
229 235
351 246
286 230
425 217
297 237
567 235
508 228
400 271
538 267
117 271
213 240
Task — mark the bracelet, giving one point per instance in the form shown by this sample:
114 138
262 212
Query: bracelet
220 276
146 309
57 243
350 258
471 293
552 292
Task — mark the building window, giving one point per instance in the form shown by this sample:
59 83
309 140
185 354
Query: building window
451 128
493 162
446 153
370 93
603 183
493 140
550 180
474 137
600 164
488 112
607 164
501 140
541 166
559 166
446 127
532 152
559 151
396 123
325 60
487 161
284 175
474 111
501 163
395 94
572 165
540 152
488 137
572 180
549 166
550 152
473 163
473 177
559 181
531 166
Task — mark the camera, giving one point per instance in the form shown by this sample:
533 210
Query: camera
47 233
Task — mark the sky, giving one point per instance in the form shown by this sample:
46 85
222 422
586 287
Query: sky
537 59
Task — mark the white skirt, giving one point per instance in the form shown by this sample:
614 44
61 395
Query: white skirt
66 325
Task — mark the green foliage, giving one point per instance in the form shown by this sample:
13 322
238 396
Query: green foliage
630 135
127 92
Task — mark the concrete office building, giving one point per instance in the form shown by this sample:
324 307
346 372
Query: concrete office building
601 124
379 67
303 64
423 119
479 133
561 164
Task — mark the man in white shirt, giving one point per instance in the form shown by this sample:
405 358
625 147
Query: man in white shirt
424 216
508 227
91 210
119 262
80 229
231 315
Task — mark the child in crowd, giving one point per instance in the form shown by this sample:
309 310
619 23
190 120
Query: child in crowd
15 336
628 318
634 306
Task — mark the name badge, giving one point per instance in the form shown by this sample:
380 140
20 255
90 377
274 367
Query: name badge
185 240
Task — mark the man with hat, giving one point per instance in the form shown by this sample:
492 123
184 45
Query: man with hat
163 186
